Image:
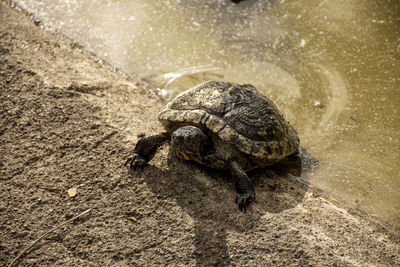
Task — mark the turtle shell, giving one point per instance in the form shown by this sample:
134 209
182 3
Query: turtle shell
238 114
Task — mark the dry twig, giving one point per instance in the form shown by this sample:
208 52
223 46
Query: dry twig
47 233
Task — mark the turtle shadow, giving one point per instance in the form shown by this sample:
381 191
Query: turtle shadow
207 195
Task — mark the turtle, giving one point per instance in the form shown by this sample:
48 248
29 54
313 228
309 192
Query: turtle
222 125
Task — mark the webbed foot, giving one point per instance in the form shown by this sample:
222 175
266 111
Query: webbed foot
244 187
145 149
243 200
136 161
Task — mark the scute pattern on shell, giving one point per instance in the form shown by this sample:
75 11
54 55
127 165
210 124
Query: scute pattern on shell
238 114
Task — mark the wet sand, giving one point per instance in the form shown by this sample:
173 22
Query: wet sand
69 122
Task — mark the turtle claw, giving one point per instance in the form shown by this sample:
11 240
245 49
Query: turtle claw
136 161
244 200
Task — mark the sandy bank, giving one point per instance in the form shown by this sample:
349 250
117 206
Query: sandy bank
67 122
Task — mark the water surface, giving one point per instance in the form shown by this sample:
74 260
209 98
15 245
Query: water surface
332 67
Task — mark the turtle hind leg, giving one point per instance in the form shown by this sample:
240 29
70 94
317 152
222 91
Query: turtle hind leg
145 149
243 185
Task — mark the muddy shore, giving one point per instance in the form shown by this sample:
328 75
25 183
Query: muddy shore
67 122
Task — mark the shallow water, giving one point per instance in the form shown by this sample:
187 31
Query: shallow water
332 67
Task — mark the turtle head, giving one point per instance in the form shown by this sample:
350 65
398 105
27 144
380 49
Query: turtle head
189 142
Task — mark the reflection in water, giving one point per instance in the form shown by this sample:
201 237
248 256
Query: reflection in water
194 75
332 67
336 97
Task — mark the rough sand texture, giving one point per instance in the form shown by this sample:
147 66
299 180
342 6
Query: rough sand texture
67 122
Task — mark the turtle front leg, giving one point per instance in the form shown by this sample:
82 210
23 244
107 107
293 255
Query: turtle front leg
145 149
244 186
